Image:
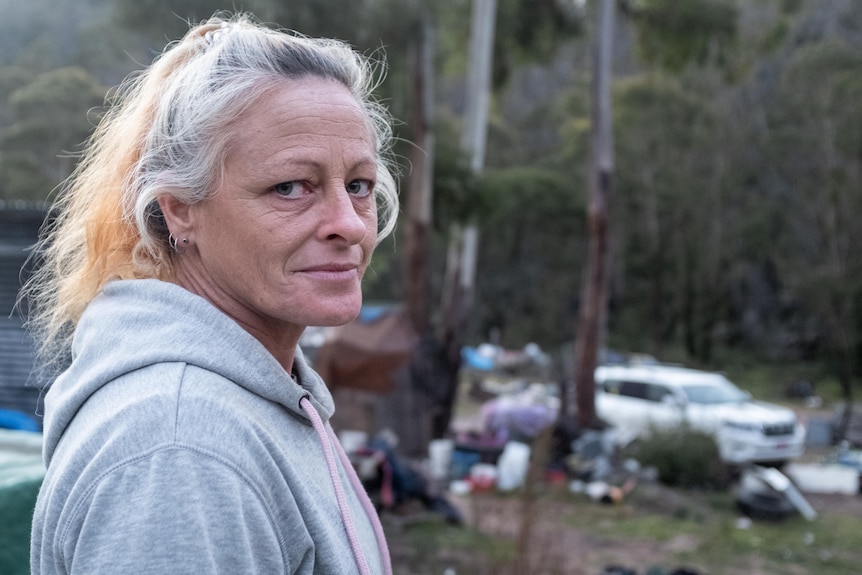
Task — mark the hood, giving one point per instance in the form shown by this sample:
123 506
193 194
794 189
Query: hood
137 323
756 412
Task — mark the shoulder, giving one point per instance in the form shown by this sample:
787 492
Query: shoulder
173 509
177 404
170 454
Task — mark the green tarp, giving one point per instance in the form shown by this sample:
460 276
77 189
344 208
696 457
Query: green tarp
21 474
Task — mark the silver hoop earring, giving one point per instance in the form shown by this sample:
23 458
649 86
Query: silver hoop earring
172 241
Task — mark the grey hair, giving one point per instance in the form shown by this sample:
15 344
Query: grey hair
232 63
167 132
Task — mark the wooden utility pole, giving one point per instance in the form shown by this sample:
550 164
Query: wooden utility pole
421 184
592 315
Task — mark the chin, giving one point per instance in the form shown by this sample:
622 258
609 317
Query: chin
337 315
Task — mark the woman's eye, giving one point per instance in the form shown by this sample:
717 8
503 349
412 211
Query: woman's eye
359 188
292 188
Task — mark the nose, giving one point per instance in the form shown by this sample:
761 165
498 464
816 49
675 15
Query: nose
341 220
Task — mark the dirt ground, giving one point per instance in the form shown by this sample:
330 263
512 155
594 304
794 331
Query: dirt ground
580 552
555 546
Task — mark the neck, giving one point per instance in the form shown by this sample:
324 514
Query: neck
279 338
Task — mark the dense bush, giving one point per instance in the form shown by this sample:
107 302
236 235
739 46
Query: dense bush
683 457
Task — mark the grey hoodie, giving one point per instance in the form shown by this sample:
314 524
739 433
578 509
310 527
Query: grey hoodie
175 443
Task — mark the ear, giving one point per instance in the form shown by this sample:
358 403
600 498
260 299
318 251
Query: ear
178 216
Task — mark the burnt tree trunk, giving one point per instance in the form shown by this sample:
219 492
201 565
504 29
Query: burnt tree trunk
592 314
419 200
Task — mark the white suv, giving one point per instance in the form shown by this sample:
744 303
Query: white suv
637 398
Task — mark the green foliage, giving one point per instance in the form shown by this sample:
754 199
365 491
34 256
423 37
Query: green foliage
40 35
531 252
169 19
817 151
11 78
672 34
455 186
367 24
50 122
683 457
530 31
669 193
23 179
63 95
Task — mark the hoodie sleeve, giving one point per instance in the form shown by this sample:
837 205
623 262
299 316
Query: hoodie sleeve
174 511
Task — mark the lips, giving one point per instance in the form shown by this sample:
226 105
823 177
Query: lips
331 267
333 271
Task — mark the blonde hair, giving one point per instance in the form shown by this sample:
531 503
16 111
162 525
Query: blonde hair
166 133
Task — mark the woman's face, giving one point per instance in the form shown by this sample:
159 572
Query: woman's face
285 241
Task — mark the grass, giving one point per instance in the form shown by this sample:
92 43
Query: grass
434 547
828 546
705 522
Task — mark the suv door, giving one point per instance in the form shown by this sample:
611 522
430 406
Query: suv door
637 406
664 408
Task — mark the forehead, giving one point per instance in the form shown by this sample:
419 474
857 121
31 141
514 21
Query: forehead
310 111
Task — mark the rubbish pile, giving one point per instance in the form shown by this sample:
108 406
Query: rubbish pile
512 422
517 409
767 493
519 413
393 482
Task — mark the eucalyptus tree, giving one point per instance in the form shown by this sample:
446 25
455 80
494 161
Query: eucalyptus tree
817 148
670 196
49 123
671 142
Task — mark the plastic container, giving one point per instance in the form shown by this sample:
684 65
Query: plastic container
440 457
513 465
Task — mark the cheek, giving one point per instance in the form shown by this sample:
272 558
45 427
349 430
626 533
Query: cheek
370 240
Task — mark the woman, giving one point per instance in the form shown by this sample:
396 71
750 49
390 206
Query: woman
226 201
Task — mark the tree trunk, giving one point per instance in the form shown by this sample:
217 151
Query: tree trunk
593 307
420 187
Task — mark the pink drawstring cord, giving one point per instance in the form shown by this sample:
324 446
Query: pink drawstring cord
366 502
327 440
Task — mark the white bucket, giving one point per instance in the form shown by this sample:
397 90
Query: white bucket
512 466
440 457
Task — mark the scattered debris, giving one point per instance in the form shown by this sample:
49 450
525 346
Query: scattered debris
605 492
489 357
853 429
521 416
394 482
766 493
824 478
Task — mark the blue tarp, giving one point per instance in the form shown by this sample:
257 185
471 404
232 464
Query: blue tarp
12 419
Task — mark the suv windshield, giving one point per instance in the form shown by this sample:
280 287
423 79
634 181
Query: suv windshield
719 392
